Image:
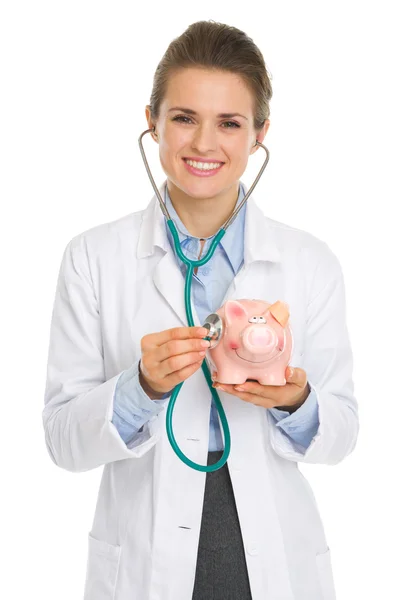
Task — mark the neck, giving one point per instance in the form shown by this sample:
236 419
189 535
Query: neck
203 217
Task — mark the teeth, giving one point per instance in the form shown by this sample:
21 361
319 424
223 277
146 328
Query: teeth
201 165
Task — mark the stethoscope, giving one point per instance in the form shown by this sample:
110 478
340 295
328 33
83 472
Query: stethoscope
213 322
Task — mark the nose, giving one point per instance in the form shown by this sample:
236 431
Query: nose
204 139
260 340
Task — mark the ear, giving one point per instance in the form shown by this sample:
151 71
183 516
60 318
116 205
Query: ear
280 311
233 311
260 136
149 122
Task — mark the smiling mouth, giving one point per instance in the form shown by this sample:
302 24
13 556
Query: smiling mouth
203 165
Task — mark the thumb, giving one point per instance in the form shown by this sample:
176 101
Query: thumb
296 375
289 374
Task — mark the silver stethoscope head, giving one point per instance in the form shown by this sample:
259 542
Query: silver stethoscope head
215 327
161 201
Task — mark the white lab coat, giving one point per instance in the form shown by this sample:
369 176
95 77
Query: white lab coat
119 281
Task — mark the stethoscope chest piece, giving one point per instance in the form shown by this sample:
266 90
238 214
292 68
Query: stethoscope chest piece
214 325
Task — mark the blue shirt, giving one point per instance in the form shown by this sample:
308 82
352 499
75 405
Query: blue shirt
133 408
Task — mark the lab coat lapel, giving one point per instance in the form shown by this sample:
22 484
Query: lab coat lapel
259 244
167 276
169 281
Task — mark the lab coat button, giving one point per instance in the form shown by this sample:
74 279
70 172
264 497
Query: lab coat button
252 549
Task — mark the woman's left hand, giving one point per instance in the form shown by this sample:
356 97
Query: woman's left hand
287 397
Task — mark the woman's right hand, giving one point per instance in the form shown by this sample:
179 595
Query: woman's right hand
171 356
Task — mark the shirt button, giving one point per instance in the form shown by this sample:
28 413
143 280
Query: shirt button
252 549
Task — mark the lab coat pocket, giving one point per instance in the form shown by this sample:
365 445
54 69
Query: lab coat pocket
324 568
101 570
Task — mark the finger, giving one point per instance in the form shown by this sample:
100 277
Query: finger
296 376
153 340
178 362
249 397
255 399
177 376
179 340
293 375
176 347
269 393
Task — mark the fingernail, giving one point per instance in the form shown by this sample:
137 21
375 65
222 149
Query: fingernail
238 388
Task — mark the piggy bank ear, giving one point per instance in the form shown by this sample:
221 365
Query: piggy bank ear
280 311
233 311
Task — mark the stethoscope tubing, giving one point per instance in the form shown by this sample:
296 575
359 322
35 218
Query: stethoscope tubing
191 265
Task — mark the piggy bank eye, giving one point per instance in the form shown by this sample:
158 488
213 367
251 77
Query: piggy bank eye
261 320
253 320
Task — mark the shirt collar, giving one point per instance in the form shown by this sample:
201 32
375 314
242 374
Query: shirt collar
232 242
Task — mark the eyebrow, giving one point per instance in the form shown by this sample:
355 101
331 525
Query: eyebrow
189 111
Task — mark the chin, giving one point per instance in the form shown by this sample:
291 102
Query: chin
197 189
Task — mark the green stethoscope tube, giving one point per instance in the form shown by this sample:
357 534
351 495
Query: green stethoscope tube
191 265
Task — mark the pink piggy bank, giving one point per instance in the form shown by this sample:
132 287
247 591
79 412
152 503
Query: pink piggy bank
255 342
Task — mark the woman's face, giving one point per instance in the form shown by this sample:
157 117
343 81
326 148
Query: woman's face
190 126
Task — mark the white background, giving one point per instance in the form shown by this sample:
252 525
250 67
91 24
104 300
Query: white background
75 79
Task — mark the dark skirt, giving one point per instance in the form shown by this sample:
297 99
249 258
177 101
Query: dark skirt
221 571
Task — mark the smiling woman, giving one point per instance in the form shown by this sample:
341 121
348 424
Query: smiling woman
209 105
204 152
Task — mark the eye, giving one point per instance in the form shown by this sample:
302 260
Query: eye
233 123
180 117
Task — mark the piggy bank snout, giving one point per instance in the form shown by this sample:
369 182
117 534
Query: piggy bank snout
260 340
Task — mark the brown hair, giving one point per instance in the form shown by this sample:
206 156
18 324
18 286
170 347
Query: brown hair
212 45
